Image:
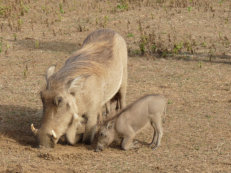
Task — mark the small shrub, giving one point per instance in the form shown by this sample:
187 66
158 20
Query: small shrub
123 5
177 48
130 35
36 44
61 8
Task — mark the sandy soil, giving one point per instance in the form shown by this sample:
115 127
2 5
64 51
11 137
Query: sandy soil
197 127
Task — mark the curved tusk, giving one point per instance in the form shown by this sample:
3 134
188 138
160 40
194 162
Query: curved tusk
76 116
53 134
33 129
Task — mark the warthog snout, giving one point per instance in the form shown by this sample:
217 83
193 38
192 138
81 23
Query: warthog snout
99 148
44 140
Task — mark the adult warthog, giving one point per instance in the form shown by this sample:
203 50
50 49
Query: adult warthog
89 79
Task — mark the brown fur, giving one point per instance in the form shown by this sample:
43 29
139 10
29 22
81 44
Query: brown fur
129 121
87 81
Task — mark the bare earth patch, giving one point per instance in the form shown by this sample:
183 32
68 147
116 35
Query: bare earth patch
197 126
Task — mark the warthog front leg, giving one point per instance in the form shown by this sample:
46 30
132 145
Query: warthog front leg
90 128
127 143
72 133
72 136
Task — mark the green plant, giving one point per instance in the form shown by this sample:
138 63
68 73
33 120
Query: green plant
7 48
23 8
43 8
197 147
143 39
177 48
140 27
221 2
20 22
142 48
136 52
189 46
153 48
130 35
61 8
36 44
3 10
160 1
25 72
142 44
123 5
212 50
15 36
200 64
96 21
80 28
208 116
204 44
106 19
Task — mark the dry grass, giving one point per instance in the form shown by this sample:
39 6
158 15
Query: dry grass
37 34
164 28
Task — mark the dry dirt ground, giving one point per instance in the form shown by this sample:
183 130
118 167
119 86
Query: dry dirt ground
195 79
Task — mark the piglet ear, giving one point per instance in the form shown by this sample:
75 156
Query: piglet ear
110 124
50 71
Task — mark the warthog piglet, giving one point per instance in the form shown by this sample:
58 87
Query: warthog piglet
129 121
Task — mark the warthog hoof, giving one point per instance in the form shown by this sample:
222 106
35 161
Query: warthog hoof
87 141
99 148
154 147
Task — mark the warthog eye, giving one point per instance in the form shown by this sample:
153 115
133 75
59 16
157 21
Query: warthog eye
101 134
58 100
72 93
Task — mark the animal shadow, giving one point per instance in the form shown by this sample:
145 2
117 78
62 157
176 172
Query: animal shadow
15 123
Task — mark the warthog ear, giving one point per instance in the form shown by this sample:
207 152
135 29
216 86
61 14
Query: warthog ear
50 71
58 100
73 84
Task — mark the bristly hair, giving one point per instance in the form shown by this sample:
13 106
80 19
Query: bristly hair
126 108
92 59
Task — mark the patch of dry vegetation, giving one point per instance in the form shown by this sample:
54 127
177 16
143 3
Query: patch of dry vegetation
163 28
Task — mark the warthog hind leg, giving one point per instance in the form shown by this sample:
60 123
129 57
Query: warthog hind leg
158 131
